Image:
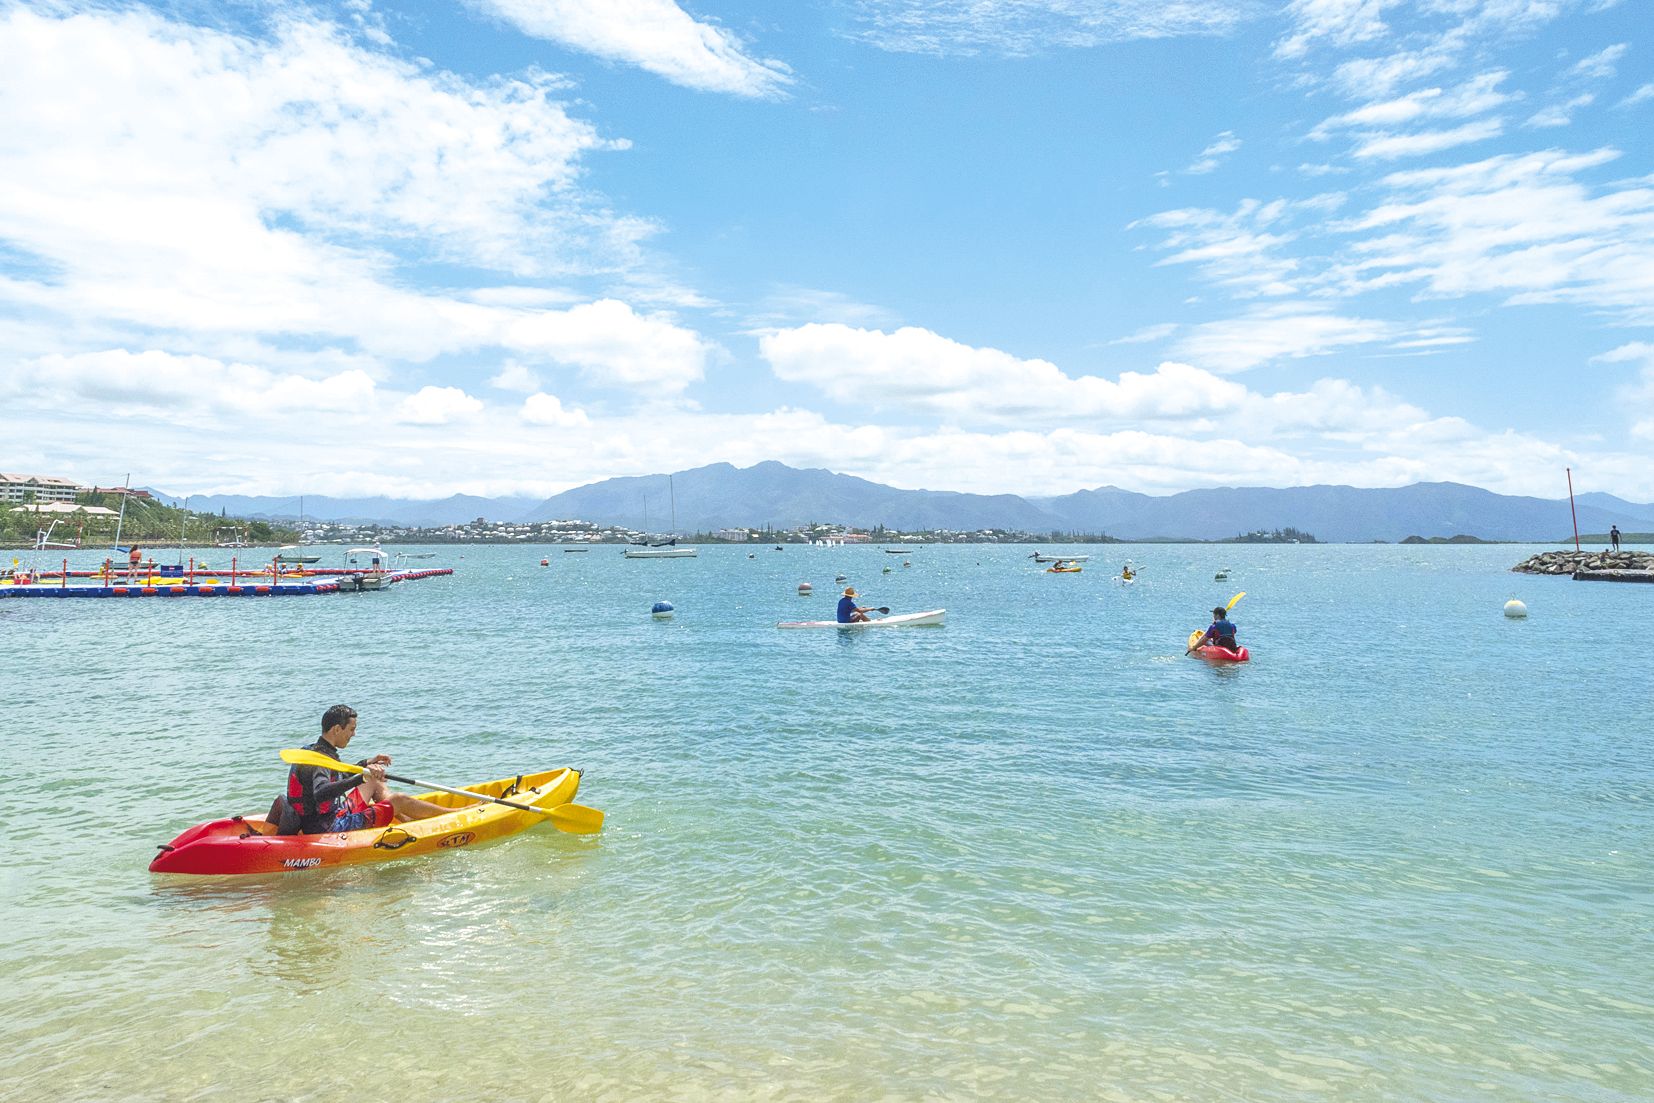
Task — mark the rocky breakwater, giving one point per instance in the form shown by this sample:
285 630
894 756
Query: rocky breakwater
1588 563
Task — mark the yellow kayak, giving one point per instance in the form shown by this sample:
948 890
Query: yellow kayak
249 844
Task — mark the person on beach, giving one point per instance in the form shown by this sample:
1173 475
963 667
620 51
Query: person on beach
330 801
1221 633
848 611
1614 537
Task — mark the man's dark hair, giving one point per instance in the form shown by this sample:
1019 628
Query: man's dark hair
337 716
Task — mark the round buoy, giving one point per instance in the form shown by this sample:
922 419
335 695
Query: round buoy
661 610
545 562
805 588
1514 608
885 571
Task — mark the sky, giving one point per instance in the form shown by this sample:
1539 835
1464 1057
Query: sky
509 247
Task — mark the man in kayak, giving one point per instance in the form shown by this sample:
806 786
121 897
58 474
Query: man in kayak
330 801
848 611
1221 633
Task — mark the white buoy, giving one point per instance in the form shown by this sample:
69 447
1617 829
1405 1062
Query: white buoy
662 610
1514 608
805 589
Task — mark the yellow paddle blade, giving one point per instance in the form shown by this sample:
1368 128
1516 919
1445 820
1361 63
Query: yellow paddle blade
1194 638
576 819
1234 599
315 758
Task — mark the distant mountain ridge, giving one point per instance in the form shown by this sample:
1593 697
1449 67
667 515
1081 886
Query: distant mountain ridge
721 495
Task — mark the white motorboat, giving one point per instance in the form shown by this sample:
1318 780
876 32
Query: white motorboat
293 553
668 552
1041 557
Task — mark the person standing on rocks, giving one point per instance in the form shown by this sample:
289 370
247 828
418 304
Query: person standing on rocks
1614 537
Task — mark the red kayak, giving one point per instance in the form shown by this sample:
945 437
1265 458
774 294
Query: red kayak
1215 653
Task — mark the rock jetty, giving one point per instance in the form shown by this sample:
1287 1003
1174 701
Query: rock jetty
1568 562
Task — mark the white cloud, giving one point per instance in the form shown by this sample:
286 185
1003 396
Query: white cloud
1600 65
548 409
1641 95
1210 157
1475 97
1341 23
220 189
1385 146
1283 330
657 36
1147 334
1378 77
514 376
1018 28
1245 249
1636 398
1560 114
1524 226
122 383
917 370
438 406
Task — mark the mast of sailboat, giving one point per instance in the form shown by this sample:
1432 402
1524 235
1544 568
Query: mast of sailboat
122 518
674 499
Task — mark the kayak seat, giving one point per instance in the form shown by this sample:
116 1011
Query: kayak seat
283 817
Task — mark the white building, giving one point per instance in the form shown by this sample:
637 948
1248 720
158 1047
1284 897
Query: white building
42 488
735 535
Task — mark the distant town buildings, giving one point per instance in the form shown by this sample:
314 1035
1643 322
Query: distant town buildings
734 536
38 488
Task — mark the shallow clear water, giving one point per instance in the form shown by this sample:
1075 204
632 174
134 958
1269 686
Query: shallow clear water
1402 854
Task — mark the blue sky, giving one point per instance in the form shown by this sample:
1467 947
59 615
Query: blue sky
1029 246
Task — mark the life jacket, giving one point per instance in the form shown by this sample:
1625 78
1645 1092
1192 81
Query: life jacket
304 808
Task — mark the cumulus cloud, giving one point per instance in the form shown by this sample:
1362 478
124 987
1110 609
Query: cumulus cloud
657 36
162 176
918 370
548 409
121 382
438 406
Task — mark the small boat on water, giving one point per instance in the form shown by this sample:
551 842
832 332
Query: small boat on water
1041 557
249 844
668 552
293 553
900 620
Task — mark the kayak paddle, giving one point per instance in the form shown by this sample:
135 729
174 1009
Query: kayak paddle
577 819
1196 638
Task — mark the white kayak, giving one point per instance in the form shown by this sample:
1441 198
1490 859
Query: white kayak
900 620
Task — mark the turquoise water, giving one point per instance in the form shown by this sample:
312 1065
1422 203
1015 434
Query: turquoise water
1402 854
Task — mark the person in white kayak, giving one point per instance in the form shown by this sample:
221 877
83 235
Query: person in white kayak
848 611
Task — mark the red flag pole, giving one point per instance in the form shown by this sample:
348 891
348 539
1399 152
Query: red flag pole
1571 508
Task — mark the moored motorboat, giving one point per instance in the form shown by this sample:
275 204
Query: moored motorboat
900 620
249 844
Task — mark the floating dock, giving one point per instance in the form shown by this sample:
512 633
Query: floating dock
60 585
1613 576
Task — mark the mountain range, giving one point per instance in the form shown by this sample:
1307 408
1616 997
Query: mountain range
720 495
